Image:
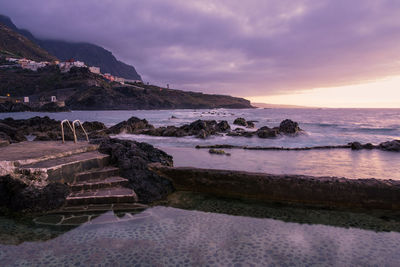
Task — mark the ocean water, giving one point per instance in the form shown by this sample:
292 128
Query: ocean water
321 127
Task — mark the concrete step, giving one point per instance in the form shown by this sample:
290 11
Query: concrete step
102 196
96 174
109 182
64 169
76 209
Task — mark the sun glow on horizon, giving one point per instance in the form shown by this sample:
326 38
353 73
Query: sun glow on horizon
383 93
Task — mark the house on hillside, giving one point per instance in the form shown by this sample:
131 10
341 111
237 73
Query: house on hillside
67 65
109 77
95 70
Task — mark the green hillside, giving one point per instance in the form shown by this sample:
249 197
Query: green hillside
14 44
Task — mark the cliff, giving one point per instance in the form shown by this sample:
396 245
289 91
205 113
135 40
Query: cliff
91 54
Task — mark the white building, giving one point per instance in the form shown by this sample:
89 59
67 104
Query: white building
95 70
67 65
119 79
26 99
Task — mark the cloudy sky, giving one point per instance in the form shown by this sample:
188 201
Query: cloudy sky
305 52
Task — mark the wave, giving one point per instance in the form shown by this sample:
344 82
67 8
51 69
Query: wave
369 129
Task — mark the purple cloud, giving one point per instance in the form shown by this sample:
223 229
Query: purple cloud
250 48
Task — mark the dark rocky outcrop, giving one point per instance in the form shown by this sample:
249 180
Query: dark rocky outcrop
130 126
218 152
91 126
240 121
10 133
20 107
205 127
243 122
266 132
286 127
199 128
289 127
16 195
44 129
132 158
393 145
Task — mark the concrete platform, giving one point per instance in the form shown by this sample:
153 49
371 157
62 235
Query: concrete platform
65 168
31 152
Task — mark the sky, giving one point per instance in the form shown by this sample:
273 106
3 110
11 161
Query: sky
336 53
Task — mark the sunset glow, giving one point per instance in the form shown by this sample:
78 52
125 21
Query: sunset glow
383 93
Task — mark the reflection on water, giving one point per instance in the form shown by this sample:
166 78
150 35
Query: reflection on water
166 236
336 162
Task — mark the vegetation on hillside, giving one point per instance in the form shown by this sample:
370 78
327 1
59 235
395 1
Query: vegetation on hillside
14 44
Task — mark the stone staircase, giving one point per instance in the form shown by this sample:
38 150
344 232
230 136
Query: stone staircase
91 179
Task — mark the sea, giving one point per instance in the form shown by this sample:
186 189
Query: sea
322 127
192 229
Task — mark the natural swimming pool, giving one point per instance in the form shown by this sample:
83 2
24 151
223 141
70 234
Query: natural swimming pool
198 230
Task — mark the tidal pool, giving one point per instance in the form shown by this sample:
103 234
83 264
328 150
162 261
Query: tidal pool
196 230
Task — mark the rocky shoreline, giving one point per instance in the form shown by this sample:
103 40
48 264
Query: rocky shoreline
19 193
393 146
8 107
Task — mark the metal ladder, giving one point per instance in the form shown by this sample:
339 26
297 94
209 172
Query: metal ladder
72 127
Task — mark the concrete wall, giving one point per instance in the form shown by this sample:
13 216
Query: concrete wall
319 191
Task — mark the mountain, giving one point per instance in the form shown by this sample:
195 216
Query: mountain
83 90
14 44
91 54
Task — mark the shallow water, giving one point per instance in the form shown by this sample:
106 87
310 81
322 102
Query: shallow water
336 162
166 236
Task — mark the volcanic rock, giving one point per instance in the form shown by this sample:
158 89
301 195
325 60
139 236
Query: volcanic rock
266 132
390 146
131 126
132 158
289 127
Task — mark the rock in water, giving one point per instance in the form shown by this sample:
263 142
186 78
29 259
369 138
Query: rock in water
132 158
218 152
266 132
390 146
289 127
223 126
130 126
91 126
240 121
356 145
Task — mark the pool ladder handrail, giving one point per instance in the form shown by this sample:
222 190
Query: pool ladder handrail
72 127
84 131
